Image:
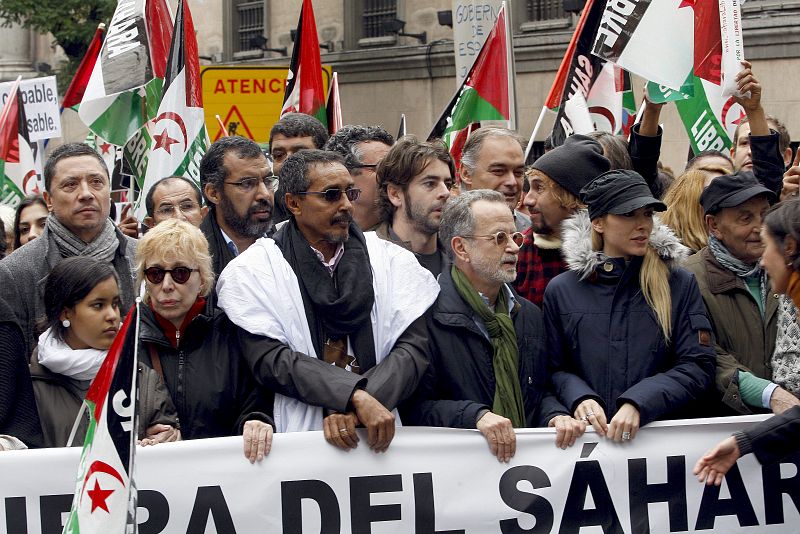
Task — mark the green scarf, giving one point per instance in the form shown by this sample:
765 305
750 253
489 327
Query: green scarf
507 392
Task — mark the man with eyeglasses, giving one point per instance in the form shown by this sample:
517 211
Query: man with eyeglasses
322 289
488 368
363 148
414 180
238 185
174 197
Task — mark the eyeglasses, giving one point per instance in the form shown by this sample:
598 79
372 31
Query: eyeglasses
179 275
334 195
501 238
166 210
248 184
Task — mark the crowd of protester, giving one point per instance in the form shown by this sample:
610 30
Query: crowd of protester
358 281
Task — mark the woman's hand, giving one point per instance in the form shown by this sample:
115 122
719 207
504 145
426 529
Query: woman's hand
714 464
591 412
160 434
257 440
567 430
624 424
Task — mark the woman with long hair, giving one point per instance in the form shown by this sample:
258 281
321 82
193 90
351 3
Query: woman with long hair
776 437
684 214
29 220
82 318
626 327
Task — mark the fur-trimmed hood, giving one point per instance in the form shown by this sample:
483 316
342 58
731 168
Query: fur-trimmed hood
577 250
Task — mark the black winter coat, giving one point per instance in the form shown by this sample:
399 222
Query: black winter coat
208 380
459 382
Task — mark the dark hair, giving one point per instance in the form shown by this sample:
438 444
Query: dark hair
345 142
67 284
782 220
695 161
784 140
148 200
30 200
406 159
3 242
212 166
294 177
615 148
300 125
69 150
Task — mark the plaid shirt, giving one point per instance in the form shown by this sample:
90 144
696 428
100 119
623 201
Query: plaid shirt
535 268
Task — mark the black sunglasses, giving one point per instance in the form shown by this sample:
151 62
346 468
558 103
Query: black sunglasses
179 275
334 195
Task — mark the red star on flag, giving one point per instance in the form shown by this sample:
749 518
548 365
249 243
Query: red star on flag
98 496
105 147
163 140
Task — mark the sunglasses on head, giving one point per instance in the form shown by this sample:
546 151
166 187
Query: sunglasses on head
179 275
501 238
334 195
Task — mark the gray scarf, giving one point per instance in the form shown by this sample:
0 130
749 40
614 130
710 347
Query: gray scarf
102 248
737 266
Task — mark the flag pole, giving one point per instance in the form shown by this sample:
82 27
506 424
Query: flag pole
511 71
534 132
222 126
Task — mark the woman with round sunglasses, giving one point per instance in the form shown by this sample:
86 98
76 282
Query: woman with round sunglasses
81 298
192 344
626 327
778 436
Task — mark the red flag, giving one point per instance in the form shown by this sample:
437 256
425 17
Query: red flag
77 86
707 41
334 106
304 89
159 34
17 168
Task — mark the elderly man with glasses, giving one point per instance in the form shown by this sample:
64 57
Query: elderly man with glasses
174 197
239 185
488 368
322 289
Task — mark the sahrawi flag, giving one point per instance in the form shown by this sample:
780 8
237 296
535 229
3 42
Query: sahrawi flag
484 94
124 89
304 90
178 131
105 495
77 87
17 167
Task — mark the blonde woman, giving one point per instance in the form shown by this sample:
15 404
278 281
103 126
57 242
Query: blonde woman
626 328
684 213
192 344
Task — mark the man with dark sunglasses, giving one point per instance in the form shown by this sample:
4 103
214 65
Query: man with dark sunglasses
238 185
488 368
363 148
322 289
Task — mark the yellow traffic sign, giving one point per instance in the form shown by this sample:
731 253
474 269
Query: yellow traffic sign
247 99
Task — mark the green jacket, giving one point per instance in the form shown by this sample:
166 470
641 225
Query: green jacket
744 339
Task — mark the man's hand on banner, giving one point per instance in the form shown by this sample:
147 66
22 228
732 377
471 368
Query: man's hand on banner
340 430
568 430
499 432
257 440
378 420
624 424
591 412
160 434
781 400
711 468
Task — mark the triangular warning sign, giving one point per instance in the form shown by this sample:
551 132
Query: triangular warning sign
235 114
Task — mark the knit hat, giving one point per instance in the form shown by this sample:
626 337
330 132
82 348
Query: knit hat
618 192
574 164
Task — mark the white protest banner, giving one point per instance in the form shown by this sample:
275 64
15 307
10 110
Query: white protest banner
730 25
432 481
472 22
40 96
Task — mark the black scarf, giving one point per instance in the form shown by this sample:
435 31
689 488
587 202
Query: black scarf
338 306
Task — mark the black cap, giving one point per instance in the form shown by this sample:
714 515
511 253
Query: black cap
732 190
618 192
574 164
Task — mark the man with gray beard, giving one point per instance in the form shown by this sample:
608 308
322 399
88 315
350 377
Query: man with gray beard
488 369
238 185
414 181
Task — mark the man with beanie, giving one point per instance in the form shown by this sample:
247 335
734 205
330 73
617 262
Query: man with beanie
737 294
555 179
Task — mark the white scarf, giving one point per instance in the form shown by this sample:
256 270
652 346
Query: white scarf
60 358
260 292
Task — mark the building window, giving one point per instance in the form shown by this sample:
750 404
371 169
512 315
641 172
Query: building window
539 10
375 13
249 24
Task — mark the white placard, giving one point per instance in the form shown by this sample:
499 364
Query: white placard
472 22
40 97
